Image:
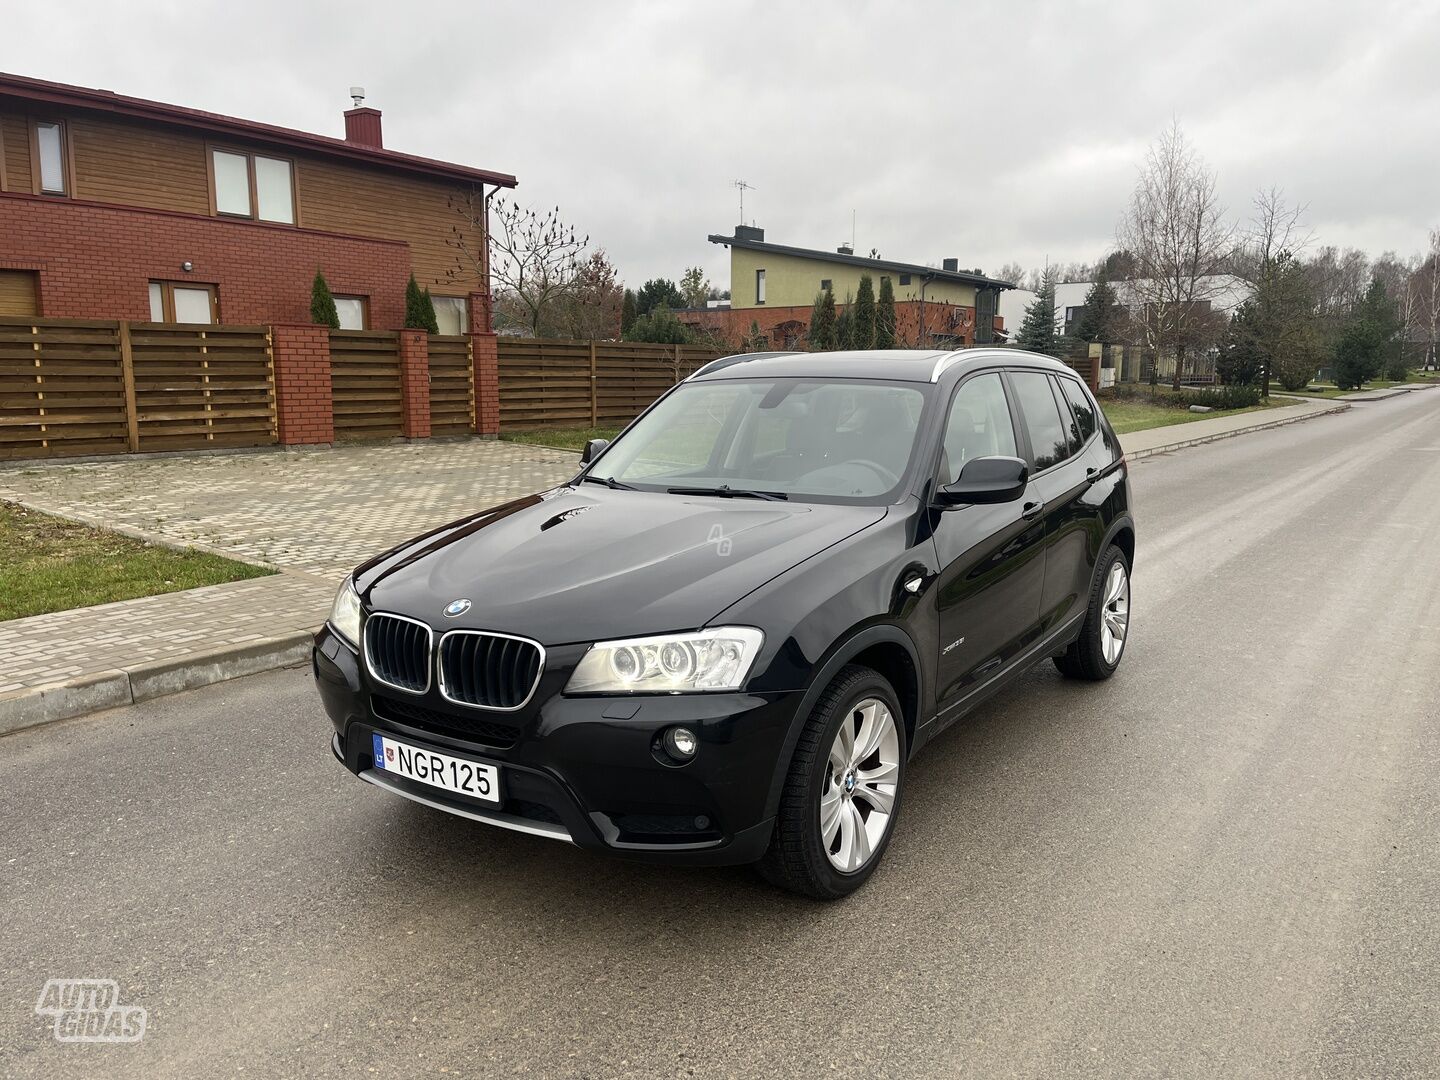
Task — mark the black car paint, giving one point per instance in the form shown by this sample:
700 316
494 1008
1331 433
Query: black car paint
1001 585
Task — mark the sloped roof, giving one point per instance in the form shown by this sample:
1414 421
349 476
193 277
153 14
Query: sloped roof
107 101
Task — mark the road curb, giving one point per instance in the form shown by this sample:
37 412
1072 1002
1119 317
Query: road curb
36 705
1135 455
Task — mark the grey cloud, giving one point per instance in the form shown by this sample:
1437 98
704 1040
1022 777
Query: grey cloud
989 132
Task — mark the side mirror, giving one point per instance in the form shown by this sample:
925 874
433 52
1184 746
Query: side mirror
592 450
986 480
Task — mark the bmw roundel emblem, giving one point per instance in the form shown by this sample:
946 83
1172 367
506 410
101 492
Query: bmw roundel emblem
456 607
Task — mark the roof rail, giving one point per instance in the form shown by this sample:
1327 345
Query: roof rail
723 362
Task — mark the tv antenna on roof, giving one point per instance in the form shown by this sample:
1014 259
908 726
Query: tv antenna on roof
744 187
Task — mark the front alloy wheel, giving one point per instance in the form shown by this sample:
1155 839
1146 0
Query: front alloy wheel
842 793
858 794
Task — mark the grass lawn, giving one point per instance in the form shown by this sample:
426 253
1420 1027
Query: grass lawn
51 564
564 438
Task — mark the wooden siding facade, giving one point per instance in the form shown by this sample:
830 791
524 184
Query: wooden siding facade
130 163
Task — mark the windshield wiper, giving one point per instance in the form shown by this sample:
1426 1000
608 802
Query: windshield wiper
608 481
727 492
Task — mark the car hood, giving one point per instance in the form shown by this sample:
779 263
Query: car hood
589 563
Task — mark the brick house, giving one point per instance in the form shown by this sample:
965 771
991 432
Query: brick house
114 207
775 285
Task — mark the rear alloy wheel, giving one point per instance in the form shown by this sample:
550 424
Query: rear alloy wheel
1096 653
842 795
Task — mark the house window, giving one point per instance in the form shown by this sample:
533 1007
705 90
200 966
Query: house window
904 279
354 312
51 175
182 302
759 286
253 186
824 284
452 314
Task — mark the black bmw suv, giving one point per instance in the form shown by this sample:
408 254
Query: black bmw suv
725 638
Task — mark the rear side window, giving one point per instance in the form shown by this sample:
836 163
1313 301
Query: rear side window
1049 439
979 425
1080 405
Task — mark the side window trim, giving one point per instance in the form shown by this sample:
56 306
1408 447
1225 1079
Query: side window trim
1067 417
1087 440
1023 428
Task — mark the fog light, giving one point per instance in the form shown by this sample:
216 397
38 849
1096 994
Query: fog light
680 743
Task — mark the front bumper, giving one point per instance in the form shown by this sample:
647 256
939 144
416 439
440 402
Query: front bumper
584 769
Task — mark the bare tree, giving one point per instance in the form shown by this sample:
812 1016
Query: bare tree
534 259
1404 283
1266 258
1012 272
1427 289
1180 242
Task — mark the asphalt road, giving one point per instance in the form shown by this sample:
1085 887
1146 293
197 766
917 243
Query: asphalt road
1223 862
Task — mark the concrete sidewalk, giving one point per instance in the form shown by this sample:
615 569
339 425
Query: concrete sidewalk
313 516
1161 440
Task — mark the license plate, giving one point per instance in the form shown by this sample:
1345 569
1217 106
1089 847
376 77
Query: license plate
438 770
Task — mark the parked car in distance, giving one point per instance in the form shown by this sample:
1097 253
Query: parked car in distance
725 639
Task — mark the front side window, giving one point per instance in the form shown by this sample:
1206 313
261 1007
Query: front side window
173 301
351 310
253 186
1049 440
50 157
452 314
830 441
979 426
759 286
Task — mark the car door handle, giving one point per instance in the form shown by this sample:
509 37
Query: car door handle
1031 511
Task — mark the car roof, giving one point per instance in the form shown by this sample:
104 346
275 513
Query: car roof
904 365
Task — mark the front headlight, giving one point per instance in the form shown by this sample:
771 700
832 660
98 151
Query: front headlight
345 613
717 659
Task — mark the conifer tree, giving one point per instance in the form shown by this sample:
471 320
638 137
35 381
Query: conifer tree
822 323
885 316
1037 332
322 303
863 323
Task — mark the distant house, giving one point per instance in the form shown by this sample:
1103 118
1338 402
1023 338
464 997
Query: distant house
118 207
774 286
1226 294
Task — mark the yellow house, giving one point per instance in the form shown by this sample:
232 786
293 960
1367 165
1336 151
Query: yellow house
764 275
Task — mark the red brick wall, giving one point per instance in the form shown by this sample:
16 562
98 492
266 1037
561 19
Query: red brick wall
486 353
97 261
415 384
303 404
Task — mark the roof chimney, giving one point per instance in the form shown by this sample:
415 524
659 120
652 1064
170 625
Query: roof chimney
749 232
845 249
951 265
362 125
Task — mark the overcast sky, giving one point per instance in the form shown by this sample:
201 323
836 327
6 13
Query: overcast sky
988 132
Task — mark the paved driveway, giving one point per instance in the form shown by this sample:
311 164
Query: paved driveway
318 511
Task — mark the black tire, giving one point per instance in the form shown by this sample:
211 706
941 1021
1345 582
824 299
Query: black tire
1085 658
797 859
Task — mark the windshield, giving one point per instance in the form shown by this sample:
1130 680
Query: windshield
787 438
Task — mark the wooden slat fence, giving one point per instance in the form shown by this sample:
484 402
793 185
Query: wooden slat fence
199 387
79 386
62 388
452 387
554 383
365 383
